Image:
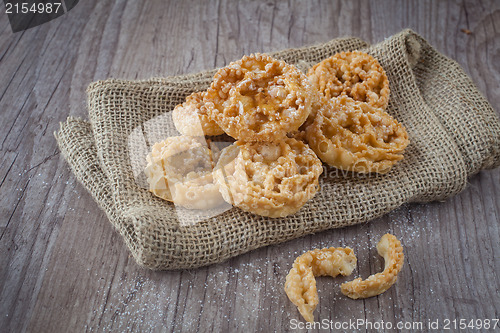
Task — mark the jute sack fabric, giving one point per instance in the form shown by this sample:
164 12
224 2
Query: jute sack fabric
454 133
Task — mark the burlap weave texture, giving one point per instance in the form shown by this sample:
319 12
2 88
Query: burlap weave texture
454 133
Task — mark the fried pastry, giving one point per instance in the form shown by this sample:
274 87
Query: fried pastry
354 136
390 248
179 169
353 74
259 98
190 118
268 179
300 284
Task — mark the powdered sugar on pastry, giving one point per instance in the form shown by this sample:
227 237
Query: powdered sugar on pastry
354 136
259 98
300 285
390 248
354 74
190 117
268 179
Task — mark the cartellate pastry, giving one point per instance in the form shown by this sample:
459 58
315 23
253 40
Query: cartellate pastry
390 248
179 169
355 74
190 118
355 136
272 179
259 98
300 285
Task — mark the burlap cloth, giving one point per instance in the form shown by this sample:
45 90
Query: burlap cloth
454 133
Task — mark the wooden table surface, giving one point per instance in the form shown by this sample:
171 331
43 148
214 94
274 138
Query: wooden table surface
63 268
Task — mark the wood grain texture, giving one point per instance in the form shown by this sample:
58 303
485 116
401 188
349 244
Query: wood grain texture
63 268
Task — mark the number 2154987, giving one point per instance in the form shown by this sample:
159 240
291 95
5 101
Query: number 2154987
35 8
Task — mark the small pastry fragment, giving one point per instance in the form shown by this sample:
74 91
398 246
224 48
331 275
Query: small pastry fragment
179 169
266 178
300 284
354 136
190 118
354 74
259 98
390 248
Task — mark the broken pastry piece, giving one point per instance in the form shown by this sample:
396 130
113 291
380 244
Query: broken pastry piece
259 98
390 248
300 285
354 136
190 118
266 178
179 169
356 75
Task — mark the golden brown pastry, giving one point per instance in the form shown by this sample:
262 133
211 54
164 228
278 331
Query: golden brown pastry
300 285
354 136
190 118
179 169
353 74
259 98
390 248
268 179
